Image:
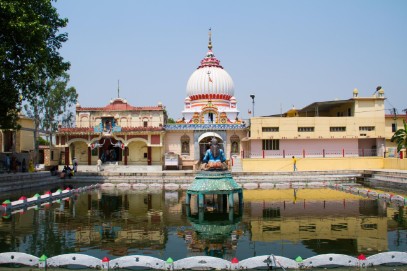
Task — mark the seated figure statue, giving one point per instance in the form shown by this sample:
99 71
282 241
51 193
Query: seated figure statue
214 158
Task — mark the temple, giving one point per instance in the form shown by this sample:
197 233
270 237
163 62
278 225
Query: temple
118 133
210 111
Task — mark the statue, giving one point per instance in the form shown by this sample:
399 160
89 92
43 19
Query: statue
214 158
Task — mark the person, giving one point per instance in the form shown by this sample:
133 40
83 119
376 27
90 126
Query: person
294 163
31 166
99 165
54 170
75 164
214 157
13 164
67 172
23 166
7 163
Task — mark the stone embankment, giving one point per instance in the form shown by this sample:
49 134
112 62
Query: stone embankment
374 178
19 181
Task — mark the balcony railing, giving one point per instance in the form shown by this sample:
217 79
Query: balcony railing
311 153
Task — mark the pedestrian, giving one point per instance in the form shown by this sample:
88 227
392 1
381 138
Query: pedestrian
99 165
75 164
294 163
7 163
23 166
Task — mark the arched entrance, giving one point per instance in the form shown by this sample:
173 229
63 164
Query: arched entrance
109 152
138 152
204 143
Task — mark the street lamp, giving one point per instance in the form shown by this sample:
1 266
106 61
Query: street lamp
252 96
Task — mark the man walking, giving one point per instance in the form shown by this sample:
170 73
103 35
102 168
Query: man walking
294 163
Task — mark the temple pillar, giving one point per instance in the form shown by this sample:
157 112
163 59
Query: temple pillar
224 203
231 214
89 156
66 155
125 151
231 200
240 198
201 199
188 199
201 216
149 155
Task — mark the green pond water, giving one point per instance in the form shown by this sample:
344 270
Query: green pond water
116 223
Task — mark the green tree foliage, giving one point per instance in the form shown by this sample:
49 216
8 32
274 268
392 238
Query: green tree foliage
53 107
30 38
170 120
400 137
42 141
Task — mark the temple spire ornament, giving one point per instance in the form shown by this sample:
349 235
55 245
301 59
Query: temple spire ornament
210 39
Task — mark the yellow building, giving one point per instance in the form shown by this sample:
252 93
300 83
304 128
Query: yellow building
341 128
393 122
325 133
21 140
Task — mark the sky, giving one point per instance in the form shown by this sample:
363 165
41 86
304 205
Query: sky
287 53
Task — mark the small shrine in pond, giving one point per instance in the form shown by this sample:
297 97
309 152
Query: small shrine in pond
214 180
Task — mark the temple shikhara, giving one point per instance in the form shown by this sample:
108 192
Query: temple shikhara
210 111
132 135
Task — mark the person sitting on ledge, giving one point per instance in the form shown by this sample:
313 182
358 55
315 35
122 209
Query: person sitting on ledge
214 158
66 172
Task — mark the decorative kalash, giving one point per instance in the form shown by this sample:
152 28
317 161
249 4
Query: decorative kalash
214 186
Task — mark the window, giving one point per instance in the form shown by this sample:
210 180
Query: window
337 129
270 129
393 127
349 112
234 142
210 115
271 144
52 155
145 123
366 128
185 145
305 129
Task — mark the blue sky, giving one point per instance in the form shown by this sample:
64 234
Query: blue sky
285 52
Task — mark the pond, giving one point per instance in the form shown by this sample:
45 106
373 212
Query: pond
289 223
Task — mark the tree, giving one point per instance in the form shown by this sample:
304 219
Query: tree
30 38
50 108
400 137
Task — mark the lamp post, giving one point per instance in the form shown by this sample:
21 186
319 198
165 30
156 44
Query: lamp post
252 96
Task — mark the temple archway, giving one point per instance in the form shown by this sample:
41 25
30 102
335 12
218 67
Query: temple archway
204 142
109 152
138 152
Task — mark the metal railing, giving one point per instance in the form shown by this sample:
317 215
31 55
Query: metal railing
311 153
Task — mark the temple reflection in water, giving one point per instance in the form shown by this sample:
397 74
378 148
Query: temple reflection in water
118 223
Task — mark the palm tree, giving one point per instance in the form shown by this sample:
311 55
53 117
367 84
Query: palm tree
400 137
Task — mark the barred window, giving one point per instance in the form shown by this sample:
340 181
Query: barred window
337 129
271 144
366 128
270 129
306 129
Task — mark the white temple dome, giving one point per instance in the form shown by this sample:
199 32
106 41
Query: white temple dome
210 82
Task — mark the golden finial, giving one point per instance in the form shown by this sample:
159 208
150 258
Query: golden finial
210 39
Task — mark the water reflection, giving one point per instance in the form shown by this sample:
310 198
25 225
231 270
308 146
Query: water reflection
117 223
